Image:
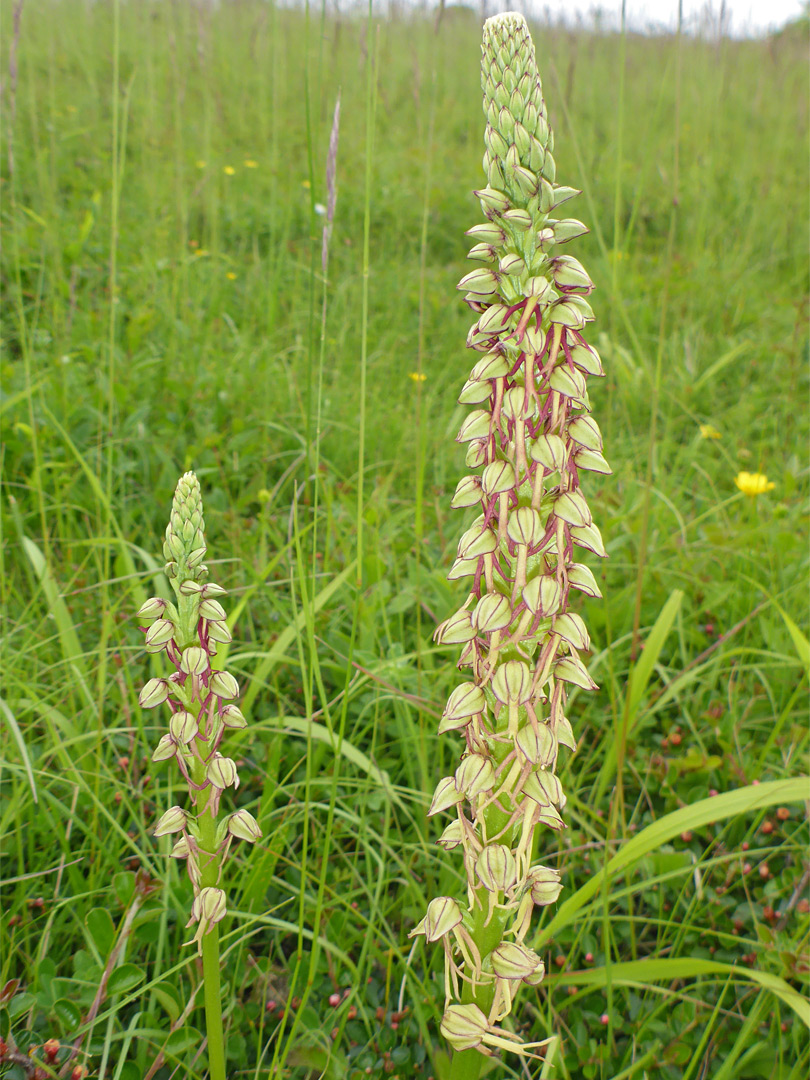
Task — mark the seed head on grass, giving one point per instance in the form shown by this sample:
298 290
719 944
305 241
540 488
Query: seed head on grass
202 705
529 438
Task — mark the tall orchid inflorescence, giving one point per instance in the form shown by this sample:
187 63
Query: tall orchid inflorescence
202 704
530 436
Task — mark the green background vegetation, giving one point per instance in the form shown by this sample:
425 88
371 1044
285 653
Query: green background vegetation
161 313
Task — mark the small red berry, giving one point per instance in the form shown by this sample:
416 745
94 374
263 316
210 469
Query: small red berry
783 813
604 1019
764 872
768 827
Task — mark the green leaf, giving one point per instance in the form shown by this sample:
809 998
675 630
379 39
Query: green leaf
800 642
124 886
637 685
67 1013
643 972
17 735
68 638
101 929
729 804
277 650
20 1004
185 1038
169 999
124 978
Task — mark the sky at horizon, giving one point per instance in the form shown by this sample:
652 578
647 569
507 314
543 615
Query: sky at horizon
741 17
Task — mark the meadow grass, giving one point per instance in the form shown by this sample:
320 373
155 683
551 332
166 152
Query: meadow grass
162 311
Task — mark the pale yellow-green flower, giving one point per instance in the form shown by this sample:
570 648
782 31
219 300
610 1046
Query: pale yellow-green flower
753 484
229 170
708 431
417 376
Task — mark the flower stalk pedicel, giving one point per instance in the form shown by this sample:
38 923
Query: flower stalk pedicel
529 437
202 708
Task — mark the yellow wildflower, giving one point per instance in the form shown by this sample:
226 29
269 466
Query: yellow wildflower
200 164
229 170
231 276
306 184
200 252
707 431
251 164
417 376
753 483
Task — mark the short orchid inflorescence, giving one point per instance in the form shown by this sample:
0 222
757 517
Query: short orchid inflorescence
201 700
529 438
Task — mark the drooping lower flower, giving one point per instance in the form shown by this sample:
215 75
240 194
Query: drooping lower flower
201 706
530 437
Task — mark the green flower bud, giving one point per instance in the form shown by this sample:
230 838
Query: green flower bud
443 915
476 541
165 749
571 669
232 717
455 630
445 796
571 507
496 868
464 1026
590 538
209 908
587 359
567 229
474 392
489 233
480 282
524 526
221 772
492 612
543 595
194 661
493 201
536 744
544 884
581 577
572 629
592 461
510 960
218 631
512 683
475 426
497 477
224 685
174 820
585 431
468 492
183 727
568 383
212 610
452 836
158 635
151 609
245 826
154 693
466 700
474 775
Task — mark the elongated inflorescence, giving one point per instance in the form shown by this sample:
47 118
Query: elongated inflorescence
529 439
201 702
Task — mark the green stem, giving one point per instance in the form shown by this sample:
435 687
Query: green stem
209 874
213 1005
